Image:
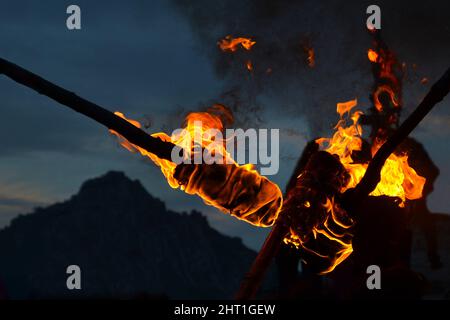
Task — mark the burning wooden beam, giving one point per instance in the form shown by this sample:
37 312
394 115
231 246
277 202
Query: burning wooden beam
353 197
233 189
372 176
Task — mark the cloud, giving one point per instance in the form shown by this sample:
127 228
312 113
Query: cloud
18 202
437 125
11 206
336 31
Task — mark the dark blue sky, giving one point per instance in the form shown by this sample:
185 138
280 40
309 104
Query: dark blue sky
158 60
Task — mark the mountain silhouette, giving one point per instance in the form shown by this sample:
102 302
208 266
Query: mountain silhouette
126 243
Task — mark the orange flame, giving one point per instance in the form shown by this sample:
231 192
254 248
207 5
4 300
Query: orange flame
398 179
376 96
334 229
372 55
386 62
249 65
232 44
311 58
235 189
329 238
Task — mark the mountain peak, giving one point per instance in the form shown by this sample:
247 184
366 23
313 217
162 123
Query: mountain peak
115 186
116 178
126 243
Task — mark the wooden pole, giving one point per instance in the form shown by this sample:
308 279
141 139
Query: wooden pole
91 110
253 278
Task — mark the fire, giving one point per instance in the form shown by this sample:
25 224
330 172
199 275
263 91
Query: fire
398 179
389 83
311 58
372 55
340 238
387 62
232 44
308 52
232 188
319 226
249 65
334 230
376 97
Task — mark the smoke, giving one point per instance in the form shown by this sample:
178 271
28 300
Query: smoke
282 81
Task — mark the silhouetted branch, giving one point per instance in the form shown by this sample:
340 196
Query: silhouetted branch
101 115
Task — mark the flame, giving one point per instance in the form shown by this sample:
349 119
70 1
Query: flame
308 52
376 97
249 65
232 44
326 234
235 189
311 58
334 229
372 55
345 244
386 62
398 178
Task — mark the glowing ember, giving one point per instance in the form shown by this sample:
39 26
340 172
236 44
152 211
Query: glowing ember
398 179
308 52
372 55
234 189
249 65
232 44
389 82
384 89
311 58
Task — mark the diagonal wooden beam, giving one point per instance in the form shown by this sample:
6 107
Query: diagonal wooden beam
91 110
372 175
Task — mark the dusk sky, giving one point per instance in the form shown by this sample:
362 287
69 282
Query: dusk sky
157 60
